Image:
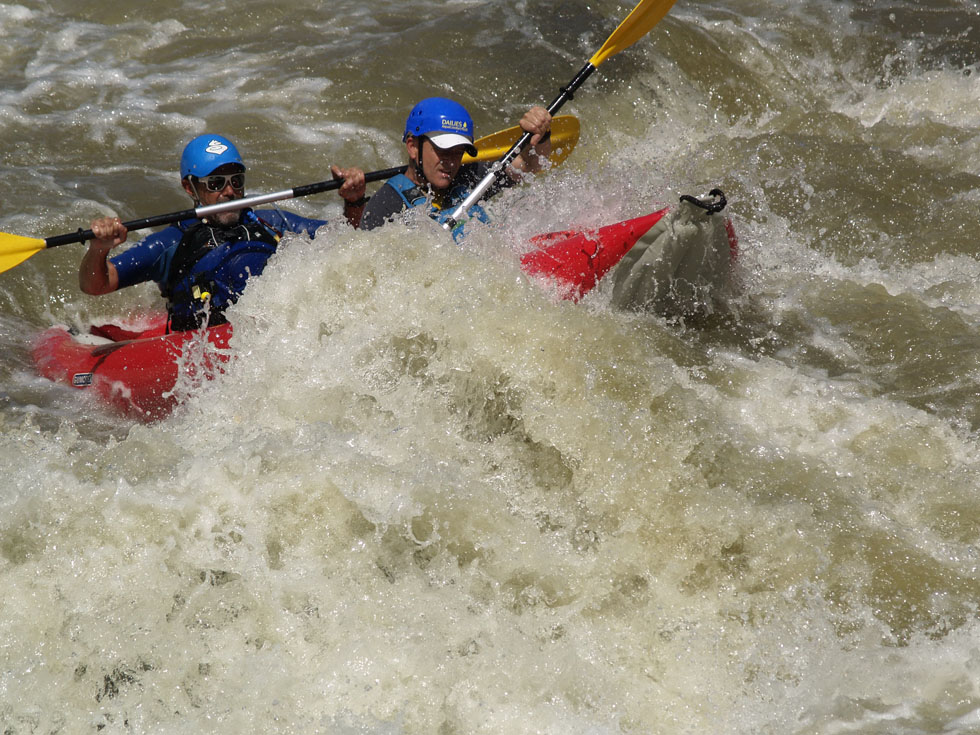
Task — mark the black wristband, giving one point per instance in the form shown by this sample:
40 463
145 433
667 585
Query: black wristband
358 203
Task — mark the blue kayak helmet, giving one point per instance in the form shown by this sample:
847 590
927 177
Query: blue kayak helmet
445 122
205 153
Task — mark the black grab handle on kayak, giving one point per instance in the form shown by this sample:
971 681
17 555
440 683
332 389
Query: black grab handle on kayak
711 207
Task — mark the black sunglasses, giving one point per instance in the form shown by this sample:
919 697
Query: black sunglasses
217 182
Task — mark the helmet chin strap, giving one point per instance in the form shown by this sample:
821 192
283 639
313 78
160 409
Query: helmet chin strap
193 187
419 173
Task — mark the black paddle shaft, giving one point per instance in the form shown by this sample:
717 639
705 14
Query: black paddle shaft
566 93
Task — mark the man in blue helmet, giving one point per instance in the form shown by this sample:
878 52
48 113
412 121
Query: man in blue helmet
202 266
438 132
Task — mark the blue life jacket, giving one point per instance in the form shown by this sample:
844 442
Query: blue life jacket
210 267
413 196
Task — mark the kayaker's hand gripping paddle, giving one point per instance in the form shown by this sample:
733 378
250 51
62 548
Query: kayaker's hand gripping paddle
637 24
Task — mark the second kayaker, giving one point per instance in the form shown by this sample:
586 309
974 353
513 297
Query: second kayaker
438 132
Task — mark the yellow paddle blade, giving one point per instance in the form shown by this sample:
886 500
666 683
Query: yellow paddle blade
15 249
637 24
564 136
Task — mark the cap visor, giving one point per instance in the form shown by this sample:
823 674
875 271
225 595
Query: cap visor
452 140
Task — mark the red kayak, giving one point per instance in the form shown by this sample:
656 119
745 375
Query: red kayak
575 260
134 370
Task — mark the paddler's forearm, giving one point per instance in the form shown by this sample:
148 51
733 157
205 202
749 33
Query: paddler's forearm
537 122
354 210
96 275
352 192
532 159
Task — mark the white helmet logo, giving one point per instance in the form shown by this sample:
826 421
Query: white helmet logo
216 147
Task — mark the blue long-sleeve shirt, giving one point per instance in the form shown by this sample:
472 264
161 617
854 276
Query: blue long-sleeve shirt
149 259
